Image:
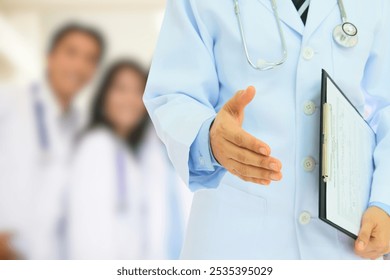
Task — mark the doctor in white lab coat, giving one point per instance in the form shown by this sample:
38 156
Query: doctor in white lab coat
228 160
45 122
125 200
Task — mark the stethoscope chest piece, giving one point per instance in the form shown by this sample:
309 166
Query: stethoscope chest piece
346 35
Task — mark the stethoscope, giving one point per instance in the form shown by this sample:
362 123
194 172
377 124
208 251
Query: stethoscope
121 171
40 119
344 34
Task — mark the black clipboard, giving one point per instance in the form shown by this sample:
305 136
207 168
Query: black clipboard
322 176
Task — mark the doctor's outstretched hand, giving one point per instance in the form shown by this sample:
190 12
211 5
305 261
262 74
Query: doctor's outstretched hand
238 151
374 237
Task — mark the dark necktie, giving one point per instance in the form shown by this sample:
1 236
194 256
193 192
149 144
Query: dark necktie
302 8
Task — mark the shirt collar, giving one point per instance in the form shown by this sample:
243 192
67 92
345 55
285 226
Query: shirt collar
48 97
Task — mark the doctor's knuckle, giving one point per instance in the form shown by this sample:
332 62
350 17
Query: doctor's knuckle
238 139
254 144
221 127
382 246
266 174
243 170
217 132
367 221
241 156
248 179
240 176
219 144
262 161
230 165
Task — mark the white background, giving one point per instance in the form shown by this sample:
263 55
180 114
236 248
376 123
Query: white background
104 270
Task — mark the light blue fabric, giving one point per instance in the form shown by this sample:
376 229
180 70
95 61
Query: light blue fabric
204 169
40 119
175 219
199 64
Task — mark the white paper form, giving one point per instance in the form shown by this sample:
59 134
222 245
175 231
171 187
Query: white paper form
351 143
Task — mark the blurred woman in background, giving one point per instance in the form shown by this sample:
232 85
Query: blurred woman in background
126 202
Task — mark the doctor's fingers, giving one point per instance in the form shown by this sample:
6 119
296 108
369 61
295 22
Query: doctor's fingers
241 138
253 180
236 105
373 255
379 245
376 247
248 157
249 172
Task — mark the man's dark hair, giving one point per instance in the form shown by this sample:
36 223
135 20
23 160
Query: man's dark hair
70 28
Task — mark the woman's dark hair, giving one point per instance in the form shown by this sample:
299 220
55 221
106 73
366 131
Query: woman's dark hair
98 117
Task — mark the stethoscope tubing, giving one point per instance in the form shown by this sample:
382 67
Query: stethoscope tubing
344 39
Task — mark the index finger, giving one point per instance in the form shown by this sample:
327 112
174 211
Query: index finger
243 139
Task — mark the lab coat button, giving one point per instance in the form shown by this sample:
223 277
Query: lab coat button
309 108
304 218
309 164
308 53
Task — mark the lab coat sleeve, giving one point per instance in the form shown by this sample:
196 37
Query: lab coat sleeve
182 91
377 87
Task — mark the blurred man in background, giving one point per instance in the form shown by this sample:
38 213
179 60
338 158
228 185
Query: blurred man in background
47 124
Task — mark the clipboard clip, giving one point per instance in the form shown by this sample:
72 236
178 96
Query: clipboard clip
326 142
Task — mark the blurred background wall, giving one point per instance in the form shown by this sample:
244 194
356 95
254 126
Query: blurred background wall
130 26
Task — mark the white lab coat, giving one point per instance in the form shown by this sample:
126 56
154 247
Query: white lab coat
97 230
167 200
198 66
39 176
12 197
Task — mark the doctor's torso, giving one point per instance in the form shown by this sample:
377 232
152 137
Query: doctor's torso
285 114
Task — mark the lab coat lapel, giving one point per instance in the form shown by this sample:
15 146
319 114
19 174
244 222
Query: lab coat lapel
319 10
287 13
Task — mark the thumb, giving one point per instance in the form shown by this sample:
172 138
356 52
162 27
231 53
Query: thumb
364 236
238 102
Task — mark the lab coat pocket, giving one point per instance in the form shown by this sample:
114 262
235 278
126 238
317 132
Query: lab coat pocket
225 223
